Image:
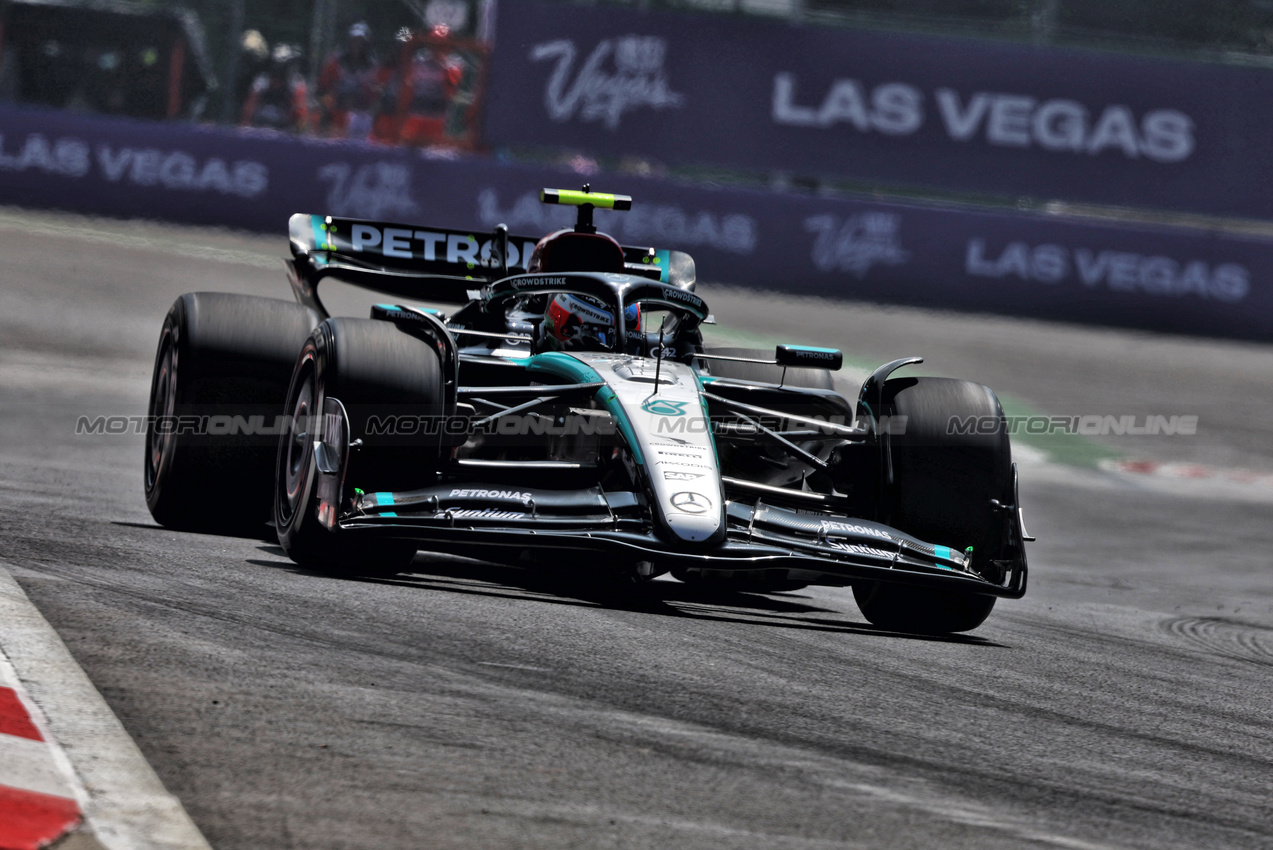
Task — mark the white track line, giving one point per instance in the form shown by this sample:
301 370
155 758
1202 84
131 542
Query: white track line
127 806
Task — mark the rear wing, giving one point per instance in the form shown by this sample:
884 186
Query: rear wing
435 264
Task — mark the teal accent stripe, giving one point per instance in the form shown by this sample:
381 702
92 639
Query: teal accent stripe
942 552
562 365
813 348
607 397
702 400
320 238
664 258
400 308
382 498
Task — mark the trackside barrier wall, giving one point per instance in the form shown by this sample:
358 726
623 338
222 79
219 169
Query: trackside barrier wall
883 107
1014 263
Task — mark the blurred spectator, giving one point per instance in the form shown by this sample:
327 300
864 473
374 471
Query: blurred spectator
349 87
421 90
428 88
279 98
254 60
385 127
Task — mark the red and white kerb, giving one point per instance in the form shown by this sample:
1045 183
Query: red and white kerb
37 805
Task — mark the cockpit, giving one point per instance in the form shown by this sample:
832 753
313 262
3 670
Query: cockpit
571 320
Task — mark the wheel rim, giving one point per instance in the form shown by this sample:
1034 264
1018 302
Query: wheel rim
297 448
163 406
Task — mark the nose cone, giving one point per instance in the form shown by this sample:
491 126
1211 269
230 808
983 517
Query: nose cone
693 516
670 432
693 529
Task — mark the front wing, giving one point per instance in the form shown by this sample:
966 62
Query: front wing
515 526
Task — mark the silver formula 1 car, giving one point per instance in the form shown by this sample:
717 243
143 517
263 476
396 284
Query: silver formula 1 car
568 414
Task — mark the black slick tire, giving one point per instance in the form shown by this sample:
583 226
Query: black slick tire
221 373
944 478
374 369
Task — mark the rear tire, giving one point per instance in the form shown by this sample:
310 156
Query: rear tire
220 356
373 368
942 486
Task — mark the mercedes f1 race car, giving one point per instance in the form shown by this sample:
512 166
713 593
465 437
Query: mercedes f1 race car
566 412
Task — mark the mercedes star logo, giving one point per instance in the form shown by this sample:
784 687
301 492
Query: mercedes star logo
664 407
691 503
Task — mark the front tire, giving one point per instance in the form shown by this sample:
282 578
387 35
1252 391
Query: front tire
944 479
373 368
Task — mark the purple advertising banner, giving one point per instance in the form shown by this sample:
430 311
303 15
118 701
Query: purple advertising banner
889 108
1049 267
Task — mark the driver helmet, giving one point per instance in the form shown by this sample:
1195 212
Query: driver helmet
580 323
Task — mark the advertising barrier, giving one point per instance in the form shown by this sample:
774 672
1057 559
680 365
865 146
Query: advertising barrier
959 258
888 108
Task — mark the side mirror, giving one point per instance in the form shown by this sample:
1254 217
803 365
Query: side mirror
681 271
808 357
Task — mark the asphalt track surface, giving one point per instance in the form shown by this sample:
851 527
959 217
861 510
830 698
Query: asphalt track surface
1125 702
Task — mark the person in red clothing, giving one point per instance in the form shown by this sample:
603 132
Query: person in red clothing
428 88
349 87
279 99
